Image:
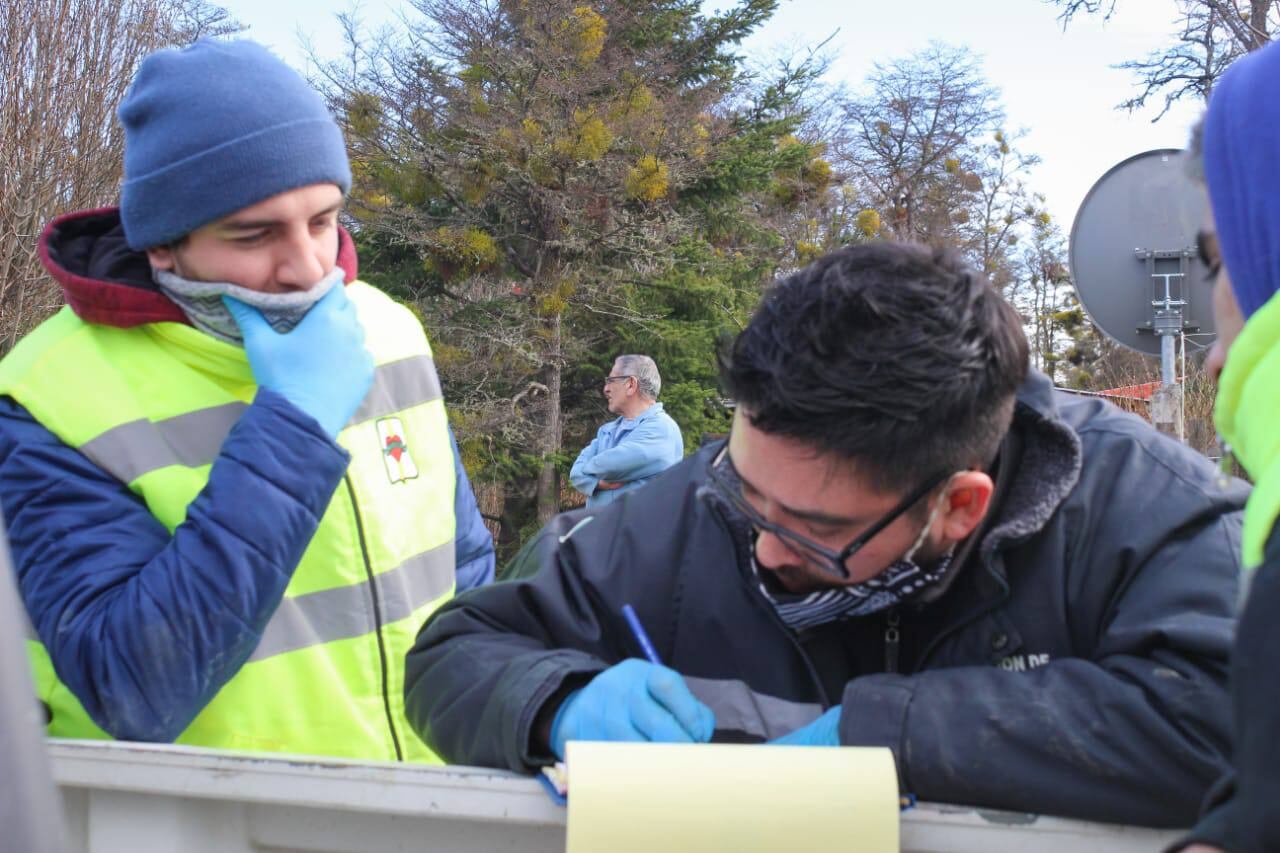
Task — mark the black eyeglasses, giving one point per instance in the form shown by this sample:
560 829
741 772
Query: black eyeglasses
728 485
609 379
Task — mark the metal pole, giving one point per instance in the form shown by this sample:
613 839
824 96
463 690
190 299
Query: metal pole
30 810
1182 356
1182 402
1166 402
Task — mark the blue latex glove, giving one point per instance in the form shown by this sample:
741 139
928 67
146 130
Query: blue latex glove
321 366
633 701
824 731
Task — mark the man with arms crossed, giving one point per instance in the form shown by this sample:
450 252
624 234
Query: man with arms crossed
636 447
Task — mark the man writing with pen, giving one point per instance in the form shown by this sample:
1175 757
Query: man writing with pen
910 540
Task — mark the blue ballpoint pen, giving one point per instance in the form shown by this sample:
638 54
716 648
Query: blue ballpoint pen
637 631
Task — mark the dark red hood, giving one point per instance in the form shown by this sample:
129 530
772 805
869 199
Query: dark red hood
108 283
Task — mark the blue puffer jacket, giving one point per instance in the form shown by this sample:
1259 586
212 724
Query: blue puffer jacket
91 560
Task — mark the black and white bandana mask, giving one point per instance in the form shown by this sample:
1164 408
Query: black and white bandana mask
202 302
900 582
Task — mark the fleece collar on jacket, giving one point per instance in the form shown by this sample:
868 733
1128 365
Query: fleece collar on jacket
1048 468
107 283
1247 415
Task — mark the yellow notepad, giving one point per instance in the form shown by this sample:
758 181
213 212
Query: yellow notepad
640 797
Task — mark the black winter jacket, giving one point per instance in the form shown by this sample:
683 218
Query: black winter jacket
1076 666
1243 813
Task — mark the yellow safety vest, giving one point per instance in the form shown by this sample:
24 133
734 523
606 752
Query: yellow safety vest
152 404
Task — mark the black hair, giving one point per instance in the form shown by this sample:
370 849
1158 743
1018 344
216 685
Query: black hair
897 359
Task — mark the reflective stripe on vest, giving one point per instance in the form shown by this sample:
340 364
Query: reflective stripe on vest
141 446
152 405
336 614
130 450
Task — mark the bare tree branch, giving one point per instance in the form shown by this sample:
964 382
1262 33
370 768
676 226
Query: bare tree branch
64 66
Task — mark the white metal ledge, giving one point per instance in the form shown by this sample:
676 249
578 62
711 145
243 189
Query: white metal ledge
135 798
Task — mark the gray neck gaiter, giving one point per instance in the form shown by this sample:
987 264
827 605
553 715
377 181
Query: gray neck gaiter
202 302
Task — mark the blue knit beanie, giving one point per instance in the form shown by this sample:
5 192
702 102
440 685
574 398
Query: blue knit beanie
216 127
1242 169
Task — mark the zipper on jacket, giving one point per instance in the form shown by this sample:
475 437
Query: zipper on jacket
892 638
377 616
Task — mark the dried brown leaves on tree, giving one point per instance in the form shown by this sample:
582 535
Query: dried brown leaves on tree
921 149
906 134
64 66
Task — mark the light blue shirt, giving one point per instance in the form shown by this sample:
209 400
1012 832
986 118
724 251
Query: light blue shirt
630 451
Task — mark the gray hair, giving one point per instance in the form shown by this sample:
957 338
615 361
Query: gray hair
645 371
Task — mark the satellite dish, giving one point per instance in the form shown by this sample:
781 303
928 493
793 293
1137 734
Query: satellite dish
1133 254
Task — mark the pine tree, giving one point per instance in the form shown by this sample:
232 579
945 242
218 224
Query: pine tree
554 184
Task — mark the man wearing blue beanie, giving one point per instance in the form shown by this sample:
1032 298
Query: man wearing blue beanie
1238 146
231 489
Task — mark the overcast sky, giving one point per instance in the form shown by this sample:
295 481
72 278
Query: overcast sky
1058 85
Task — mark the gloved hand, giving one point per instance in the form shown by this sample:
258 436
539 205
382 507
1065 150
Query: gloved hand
632 701
824 731
321 366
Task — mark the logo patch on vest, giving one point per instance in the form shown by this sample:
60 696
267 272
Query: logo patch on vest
395 451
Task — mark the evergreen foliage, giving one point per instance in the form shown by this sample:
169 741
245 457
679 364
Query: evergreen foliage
555 184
